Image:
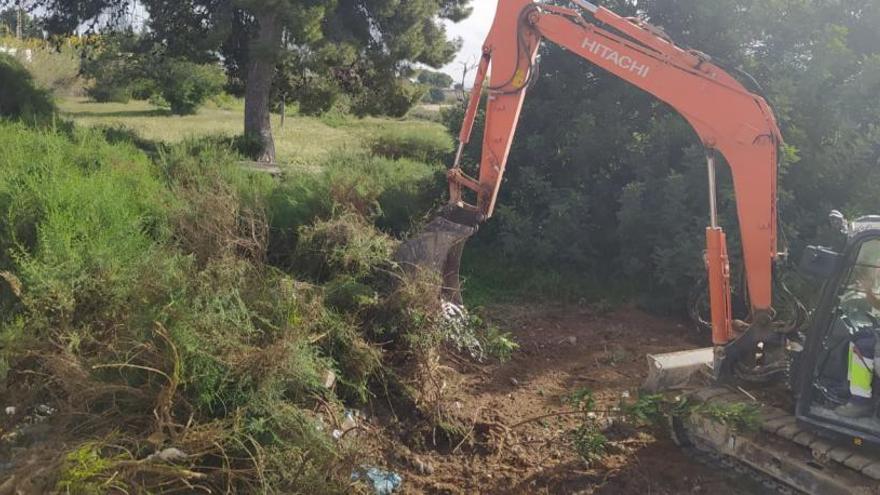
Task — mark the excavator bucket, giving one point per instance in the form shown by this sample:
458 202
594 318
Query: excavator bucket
676 370
438 248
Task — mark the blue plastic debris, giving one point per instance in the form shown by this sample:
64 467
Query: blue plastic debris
384 482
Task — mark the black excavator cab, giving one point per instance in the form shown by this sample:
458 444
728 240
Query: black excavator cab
836 380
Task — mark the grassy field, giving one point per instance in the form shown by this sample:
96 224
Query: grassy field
302 141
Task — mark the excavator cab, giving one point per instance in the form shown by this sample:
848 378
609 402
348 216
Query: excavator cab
839 384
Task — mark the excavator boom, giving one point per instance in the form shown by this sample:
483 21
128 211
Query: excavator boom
730 120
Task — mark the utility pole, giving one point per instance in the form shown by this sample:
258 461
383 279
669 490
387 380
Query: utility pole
18 17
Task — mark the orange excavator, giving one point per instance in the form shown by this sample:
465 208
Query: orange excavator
815 440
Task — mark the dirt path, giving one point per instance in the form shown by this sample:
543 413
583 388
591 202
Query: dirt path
562 350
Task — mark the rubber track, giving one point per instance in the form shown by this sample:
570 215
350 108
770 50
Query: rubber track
784 426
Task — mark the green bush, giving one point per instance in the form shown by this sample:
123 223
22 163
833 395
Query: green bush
387 96
318 96
106 90
436 95
115 68
20 98
393 193
422 143
187 85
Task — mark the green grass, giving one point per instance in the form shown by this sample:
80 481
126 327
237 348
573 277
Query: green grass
304 141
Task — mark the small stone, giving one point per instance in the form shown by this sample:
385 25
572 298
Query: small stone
171 455
45 410
572 340
423 467
329 379
514 382
10 411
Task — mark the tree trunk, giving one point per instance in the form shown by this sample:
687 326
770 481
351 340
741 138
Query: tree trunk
261 69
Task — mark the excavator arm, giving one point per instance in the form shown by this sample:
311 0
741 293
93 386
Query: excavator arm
730 120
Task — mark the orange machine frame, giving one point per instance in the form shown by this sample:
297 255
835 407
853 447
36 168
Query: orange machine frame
728 118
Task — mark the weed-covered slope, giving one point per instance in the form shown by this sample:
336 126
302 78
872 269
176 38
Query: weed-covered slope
171 322
136 306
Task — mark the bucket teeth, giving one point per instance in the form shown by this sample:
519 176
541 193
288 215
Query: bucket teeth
438 248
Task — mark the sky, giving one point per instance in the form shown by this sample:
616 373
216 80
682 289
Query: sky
472 31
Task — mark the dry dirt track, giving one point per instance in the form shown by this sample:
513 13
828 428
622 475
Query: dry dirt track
562 349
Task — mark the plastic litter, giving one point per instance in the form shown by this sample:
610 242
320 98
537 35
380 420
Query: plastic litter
350 420
383 482
45 410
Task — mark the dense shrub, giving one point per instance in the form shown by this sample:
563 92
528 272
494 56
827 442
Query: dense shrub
384 96
318 96
395 194
187 85
421 143
111 82
124 65
116 67
20 98
436 95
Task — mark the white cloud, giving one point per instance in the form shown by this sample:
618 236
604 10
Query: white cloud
472 31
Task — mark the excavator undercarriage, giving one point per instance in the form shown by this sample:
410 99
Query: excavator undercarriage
781 454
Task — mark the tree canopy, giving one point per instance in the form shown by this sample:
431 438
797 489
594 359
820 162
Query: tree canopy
9 24
435 79
362 48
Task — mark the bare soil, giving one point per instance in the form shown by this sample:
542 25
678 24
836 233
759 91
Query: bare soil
517 442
